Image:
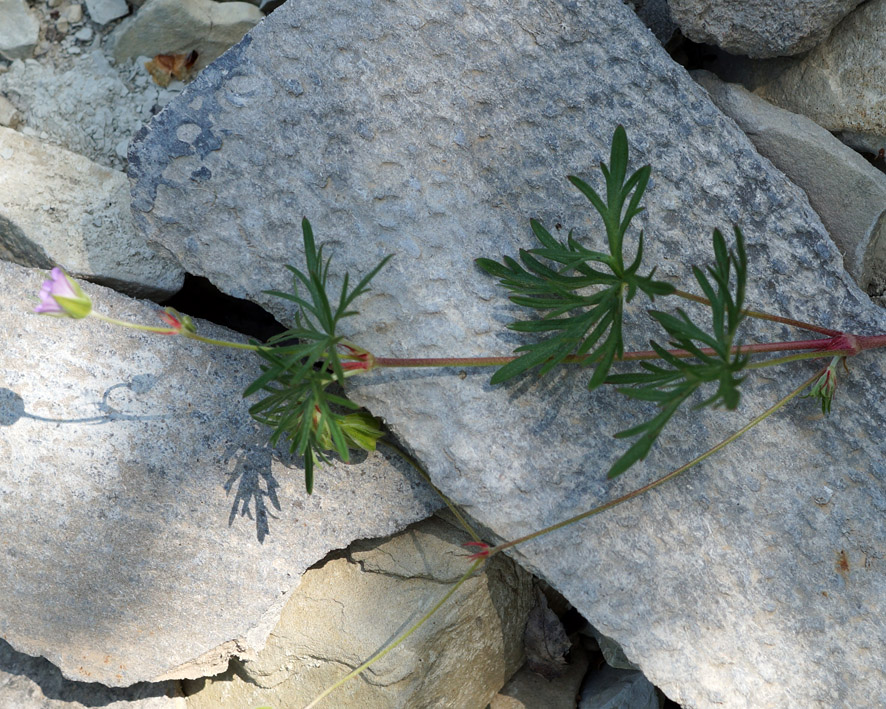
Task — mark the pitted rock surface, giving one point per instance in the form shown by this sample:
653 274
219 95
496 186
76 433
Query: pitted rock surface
433 132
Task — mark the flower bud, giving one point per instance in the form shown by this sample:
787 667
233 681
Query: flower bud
62 297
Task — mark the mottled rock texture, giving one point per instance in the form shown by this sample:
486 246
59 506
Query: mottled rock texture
760 28
149 532
433 132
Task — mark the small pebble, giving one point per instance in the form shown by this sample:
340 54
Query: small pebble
63 26
73 14
84 34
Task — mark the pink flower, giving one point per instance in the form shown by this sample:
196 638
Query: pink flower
62 297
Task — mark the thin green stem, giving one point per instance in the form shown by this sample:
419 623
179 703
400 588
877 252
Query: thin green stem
427 478
674 473
375 658
134 326
763 316
225 343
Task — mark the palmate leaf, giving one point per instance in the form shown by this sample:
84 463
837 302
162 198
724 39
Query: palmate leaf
554 280
673 380
302 363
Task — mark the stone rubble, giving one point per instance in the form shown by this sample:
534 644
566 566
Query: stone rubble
442 156
63 91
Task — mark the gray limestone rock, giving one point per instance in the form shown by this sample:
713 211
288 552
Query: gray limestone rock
34 683
351 606
19 30
839 84
434 133
182 26
149 532
760 28
618 689
105 11
62 209
848 193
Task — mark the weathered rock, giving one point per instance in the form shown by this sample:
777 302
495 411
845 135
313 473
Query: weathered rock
182 26
848 193
610 688
838 84
149 532
91 108
9 114
105 11
760 28
34 683
19 30
349 608
529 690
434 135
656 15
62 209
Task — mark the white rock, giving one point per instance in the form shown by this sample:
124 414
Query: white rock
104 11
19 30
51 202
181 26
149 532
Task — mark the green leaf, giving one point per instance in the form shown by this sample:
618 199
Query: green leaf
301 364
581 305
674 380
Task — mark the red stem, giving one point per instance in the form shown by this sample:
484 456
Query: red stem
829 346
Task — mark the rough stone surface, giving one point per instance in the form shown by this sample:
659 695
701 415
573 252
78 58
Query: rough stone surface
434 135
34 683
352 606
529 690
839 84
89 108
656 15
180 26
19 30
846 191
62 209
149 532
105 11
760 28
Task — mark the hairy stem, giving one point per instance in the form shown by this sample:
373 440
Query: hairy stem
674 473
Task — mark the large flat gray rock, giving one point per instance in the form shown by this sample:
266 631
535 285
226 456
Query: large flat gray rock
149 533
434 134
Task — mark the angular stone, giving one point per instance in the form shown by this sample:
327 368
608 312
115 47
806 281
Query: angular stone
149 532
838 84
34 683
760 28
610 688
434 135
104 11
19 30
182 26
61 209
349 608
846 191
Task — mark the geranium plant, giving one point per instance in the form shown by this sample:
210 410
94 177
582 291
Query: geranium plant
574 296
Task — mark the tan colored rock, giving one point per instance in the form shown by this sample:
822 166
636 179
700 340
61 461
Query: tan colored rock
839 84
182 26
62 209
353 605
